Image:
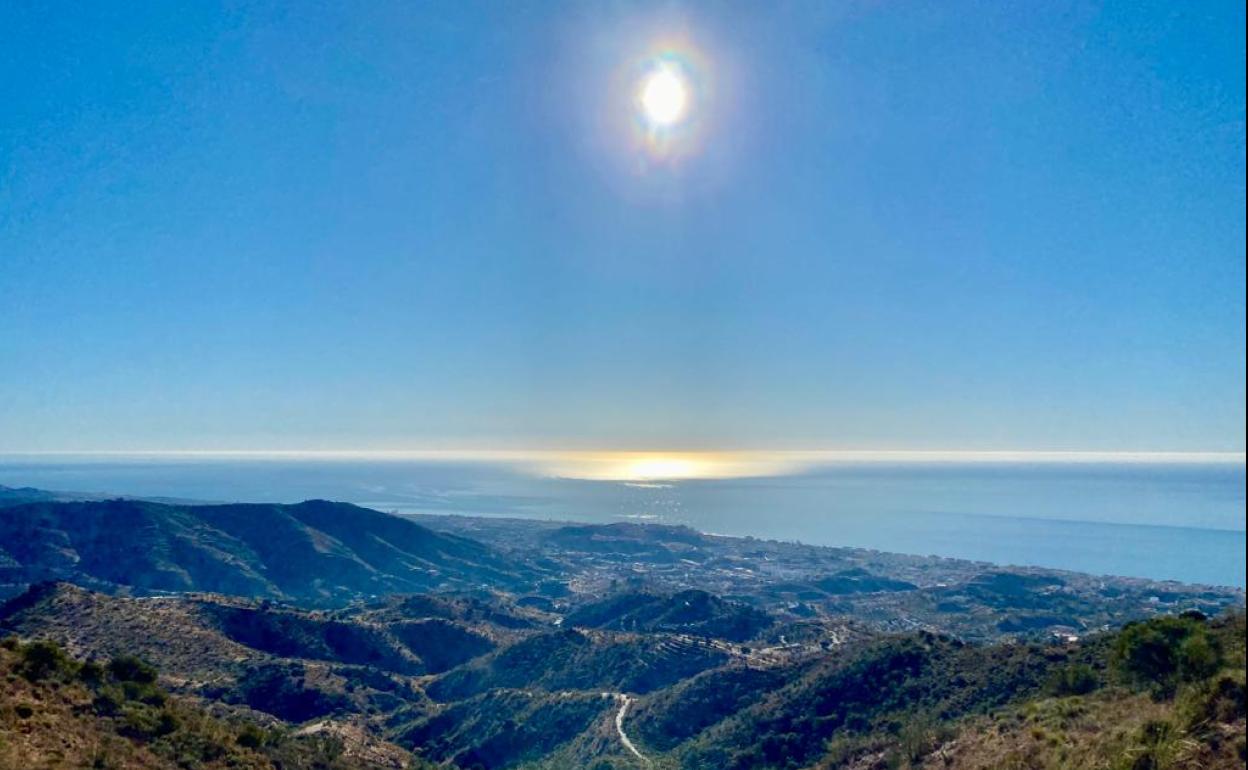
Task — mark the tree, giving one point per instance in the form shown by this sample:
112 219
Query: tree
1160 654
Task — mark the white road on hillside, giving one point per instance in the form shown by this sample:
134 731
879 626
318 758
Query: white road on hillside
625 702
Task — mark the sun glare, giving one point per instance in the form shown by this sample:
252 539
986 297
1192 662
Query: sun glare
660 469
658 466
669 95
664 96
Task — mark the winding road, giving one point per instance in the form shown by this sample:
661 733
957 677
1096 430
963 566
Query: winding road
625 702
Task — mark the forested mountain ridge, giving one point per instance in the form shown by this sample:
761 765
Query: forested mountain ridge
313 551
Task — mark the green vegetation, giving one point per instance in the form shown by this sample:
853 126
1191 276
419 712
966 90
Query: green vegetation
1161 654
505 727
314 551
58 712
575 660
688 612
816 667
1165 694
1075 679
1176 702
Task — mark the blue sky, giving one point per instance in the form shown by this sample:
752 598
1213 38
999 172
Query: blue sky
410 225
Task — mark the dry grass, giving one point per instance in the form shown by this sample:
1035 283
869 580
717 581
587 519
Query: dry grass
61 717
1111 730
51 725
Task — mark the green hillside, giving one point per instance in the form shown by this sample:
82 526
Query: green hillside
56 712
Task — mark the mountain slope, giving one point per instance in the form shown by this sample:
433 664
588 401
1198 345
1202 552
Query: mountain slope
688 612
56 712
23 495
315 550
294 664
574 660
484 684
1164 694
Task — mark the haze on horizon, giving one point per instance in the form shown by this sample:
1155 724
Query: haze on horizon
654 226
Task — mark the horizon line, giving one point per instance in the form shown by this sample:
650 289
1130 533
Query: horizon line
809 455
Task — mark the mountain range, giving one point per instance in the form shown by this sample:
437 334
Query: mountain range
315 550
325 635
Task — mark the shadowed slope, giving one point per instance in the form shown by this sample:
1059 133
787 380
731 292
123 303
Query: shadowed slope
314 550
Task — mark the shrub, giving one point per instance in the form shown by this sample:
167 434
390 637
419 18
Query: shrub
1158 745
1161 653
91 673
43 660
128 668
108 701
167 722
1077 679
1217 700
1198 658
251 737
145 722
144 693
918 738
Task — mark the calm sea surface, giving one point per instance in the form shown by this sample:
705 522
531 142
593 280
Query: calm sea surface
1181 522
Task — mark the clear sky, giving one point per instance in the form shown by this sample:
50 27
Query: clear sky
408 225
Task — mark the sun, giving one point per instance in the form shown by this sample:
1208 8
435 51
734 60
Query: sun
664 96
660 468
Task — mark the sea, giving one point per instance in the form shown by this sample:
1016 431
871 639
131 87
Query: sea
1165 521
